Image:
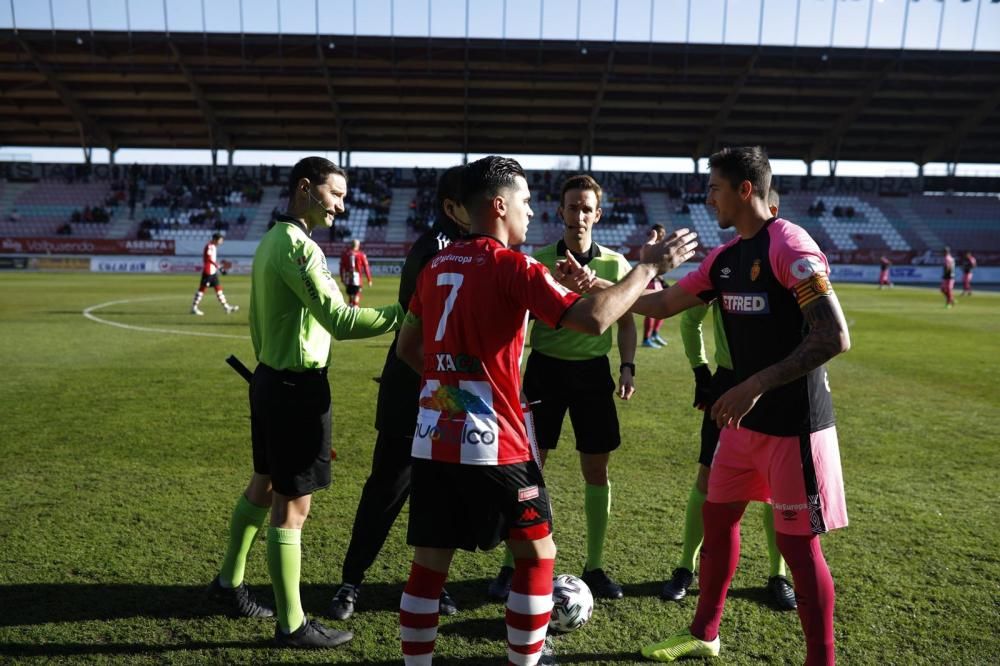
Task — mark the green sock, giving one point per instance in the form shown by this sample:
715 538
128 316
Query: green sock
508 557
694 530
243 528
597 507
773 554
284 562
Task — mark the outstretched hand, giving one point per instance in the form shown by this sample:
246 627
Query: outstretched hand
570 274
671 252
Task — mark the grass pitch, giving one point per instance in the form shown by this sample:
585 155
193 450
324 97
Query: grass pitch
124 450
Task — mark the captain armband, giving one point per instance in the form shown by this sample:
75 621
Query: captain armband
813 287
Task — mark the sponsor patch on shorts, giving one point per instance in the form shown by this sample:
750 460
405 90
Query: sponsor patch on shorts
525 494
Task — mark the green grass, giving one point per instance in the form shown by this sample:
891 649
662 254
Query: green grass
123 453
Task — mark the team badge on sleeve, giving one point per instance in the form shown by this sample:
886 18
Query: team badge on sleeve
812 288
755 270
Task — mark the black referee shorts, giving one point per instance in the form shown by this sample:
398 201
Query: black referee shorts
723 380
476 506
585 389
290 429
209 280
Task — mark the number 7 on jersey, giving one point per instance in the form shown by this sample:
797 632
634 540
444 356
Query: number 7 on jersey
453 280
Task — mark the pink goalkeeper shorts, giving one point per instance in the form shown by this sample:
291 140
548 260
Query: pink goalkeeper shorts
799 476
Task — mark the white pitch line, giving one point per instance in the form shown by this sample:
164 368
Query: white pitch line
88 313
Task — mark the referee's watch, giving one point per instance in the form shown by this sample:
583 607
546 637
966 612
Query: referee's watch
630 366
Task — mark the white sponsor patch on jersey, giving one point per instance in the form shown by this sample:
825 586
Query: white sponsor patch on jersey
806 266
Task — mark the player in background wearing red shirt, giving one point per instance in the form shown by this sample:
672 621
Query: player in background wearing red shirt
650 326
475 479
210 271
354 264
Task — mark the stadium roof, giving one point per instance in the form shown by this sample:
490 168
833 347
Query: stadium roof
381 93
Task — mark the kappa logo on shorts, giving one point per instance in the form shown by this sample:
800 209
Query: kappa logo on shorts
529 515
525 494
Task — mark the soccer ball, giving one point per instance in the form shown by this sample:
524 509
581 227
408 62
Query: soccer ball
572 604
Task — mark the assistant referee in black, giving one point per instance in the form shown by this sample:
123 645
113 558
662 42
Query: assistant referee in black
388 485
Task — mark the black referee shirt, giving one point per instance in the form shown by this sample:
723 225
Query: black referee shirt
396 410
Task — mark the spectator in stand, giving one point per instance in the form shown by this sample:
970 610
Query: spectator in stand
968 265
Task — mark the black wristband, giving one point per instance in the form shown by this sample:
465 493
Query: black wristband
630 366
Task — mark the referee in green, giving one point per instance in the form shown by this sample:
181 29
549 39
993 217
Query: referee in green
569 371
295 307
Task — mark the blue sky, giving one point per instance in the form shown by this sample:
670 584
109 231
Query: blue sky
929 24
918 24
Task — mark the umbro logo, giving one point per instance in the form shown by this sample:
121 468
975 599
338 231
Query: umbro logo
726 272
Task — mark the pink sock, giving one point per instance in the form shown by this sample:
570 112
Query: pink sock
814 593
720 552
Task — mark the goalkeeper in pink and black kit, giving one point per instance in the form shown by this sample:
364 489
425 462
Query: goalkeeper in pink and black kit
778 441
948 278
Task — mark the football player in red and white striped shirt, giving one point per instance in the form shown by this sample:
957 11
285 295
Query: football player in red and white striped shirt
475 480
354 266
210 270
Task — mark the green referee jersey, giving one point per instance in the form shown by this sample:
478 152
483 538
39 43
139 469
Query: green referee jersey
562 342
694 343
295 304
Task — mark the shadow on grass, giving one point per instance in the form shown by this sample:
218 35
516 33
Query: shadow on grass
118 649
41 603
145 650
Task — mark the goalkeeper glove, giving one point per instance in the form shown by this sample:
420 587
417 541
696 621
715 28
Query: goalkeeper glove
703 395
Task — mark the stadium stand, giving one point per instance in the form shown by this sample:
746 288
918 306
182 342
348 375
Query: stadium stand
54 209
396 205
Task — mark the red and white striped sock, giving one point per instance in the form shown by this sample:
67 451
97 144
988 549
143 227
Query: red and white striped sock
529 606
418 614
197 298
221 297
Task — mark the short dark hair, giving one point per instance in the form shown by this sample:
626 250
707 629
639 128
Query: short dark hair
773 198
658 227
217 236
744 163
581 182
449 187
485 178
316 169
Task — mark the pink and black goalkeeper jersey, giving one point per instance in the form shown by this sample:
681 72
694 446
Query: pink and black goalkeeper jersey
949 269
761 284
473 299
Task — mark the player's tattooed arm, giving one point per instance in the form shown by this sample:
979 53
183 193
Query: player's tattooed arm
827 337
